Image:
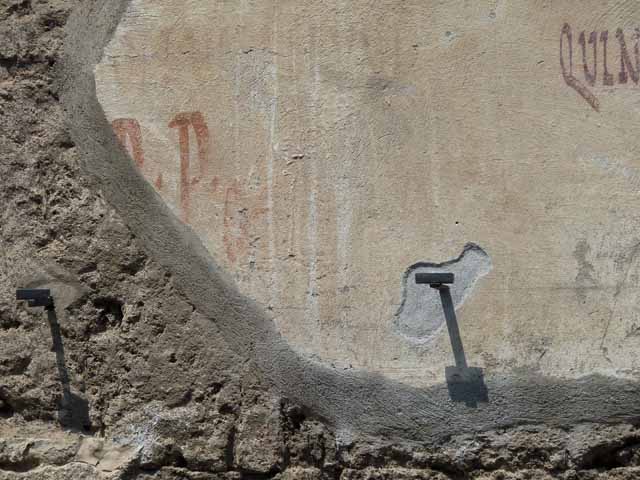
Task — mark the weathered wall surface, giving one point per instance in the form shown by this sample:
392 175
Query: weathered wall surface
156 366
319 149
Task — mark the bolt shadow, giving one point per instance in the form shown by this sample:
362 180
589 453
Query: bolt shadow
73 410
465 384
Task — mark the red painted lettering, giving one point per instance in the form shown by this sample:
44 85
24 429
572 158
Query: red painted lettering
567 68
625 61
182 121
129 129
593 40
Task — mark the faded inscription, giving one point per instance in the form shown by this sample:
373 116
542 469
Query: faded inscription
584 80
182 122
237 218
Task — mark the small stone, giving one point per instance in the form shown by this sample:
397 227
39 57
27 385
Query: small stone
259 439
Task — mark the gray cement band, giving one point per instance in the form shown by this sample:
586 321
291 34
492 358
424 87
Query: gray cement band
354 402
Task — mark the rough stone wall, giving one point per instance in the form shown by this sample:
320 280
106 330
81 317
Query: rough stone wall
128 380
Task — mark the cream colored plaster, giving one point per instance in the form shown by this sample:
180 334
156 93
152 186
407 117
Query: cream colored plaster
343 141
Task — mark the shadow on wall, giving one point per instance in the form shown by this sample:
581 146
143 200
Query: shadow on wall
73 410
465 384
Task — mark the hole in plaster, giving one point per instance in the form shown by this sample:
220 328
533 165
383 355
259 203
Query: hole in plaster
110 313
420 316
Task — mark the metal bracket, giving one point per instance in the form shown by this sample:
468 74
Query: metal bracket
434 279
36 297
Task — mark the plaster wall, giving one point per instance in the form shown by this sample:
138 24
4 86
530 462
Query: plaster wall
322 151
